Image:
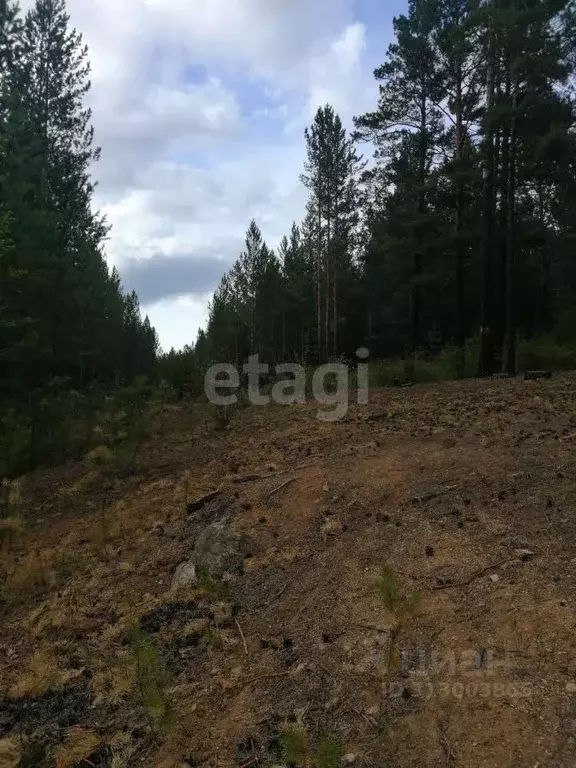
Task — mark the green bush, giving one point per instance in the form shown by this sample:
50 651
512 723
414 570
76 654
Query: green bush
444 367
545 353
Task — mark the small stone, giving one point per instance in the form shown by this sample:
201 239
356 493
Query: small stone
349 759
495 578
332 528
515 542
429 551
524 554
563 603
571 688
185 576
326 488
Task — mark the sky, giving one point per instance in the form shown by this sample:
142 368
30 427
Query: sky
199 107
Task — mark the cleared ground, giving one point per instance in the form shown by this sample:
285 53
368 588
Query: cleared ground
466 491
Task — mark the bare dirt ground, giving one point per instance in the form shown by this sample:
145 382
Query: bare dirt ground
466 490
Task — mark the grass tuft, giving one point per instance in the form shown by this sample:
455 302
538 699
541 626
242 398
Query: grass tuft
329 753
10 753
151 678
399 604
78 745
42 675
294 743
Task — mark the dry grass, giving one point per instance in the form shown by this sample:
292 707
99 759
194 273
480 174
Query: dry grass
12 530
10 753
116 683
26 578
123 749
78 745
42 674
316 628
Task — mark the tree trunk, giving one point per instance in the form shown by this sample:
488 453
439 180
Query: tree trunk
502 172
327 294
544 310
416 303
319 284
335 311
459 213
511 243
486 360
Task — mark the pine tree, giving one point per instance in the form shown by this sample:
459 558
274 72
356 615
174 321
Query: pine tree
331 174
64 320
406 129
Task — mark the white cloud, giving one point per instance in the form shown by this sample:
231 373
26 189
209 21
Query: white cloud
189 159
177 321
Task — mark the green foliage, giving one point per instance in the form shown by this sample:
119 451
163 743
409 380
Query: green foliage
441 248
152 679
394 599
66 564
329 753
66 327
100 458
12 526
294 744
214 638
12 529
209 586
545 353
15 434
397 603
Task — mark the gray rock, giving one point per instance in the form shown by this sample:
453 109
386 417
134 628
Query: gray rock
524 554
349 759
219 551
515 542
184 576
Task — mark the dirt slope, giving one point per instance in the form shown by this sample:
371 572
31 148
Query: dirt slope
467 491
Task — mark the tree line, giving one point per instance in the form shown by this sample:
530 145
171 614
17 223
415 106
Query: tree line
66 325
459 226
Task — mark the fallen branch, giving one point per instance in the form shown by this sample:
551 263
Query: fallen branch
269 676
252 478
281 592
434 494
445 744
371 722
475 575
253 761
280 487
370 628
242 636
194 506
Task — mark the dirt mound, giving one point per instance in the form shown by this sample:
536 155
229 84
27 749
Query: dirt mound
309 653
